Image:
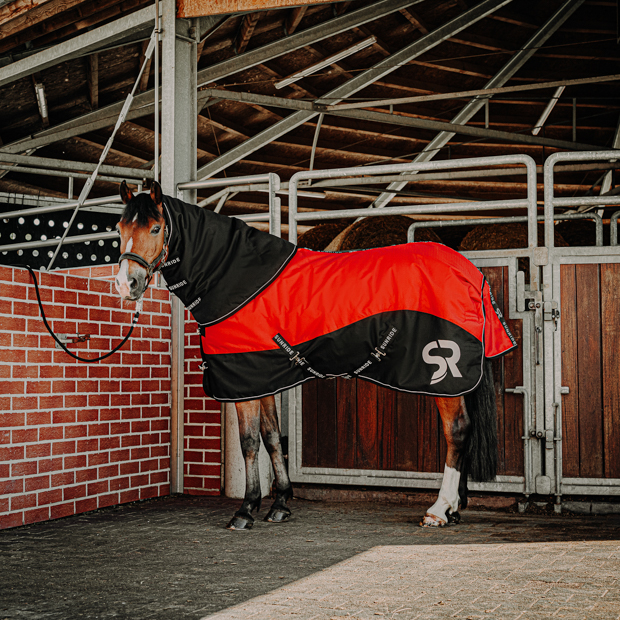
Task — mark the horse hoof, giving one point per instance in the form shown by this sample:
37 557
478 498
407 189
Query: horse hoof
430 520
454 518
240 522
278 515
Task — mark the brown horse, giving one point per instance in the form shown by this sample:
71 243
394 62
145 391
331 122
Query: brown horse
469 422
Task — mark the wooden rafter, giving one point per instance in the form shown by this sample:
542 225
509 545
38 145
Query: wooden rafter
340 7
293 18
144 80
92 79
413 18
246 30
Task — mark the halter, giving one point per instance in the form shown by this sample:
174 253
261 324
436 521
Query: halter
155 266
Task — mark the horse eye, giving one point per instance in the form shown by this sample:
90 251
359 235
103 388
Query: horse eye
155 230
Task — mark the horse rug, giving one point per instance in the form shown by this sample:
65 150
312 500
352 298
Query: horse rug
417 317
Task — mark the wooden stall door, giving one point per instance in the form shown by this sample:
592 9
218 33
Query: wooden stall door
591 370
354 424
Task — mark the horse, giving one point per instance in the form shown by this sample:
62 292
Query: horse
202 255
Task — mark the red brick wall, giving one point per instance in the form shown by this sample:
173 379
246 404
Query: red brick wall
74 436
202 423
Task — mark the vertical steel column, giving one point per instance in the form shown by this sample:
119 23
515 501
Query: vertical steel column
179 164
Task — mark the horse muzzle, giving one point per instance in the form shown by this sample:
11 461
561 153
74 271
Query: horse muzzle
130 285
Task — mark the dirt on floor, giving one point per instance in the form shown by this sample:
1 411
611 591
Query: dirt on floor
172 558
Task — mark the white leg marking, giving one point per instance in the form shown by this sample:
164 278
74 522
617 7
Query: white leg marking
448 496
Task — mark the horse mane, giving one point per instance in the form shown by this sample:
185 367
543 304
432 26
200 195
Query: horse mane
141 208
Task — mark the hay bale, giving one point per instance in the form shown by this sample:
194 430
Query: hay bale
503 237
376 232
321 235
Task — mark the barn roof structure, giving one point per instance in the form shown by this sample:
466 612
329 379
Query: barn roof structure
273 81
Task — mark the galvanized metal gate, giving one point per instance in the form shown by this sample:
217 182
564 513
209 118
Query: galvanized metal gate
544 308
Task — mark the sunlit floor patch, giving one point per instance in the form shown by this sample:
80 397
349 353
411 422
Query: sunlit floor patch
571 580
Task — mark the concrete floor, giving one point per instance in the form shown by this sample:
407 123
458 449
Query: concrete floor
171 558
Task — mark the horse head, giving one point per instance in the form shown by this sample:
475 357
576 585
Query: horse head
144 240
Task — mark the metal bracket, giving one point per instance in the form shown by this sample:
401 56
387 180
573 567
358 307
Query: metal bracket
551 312
541 256
68 339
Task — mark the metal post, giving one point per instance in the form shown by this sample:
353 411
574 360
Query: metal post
179 152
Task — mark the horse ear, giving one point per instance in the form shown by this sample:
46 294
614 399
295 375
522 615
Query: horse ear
156 194
125 193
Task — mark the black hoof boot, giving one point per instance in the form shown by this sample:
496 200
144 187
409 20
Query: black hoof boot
241 521
278 514
454 518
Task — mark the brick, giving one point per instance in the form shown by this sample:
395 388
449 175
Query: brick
40 356
204 443
86 475
11 520
37 483
36 516
87 415
78 401
160 450
51 402
98 429
75 372
140 399
120 400
99 458
99 286
110 415
50 497
98 400
65 416
12 419
63 479
28 435
14 291
62 510
51 372
75 461
8 487
64 297
129 467
63 386
50 433
140 453
14 387
25 372
109 471
21 308
85 505
38 450
109 443
160 477
149 465
78 313
12 453
99 372
130 495
79 430
128 441
87 445
119 484
119 455
196 469
24 403
75 492
24 468
99 316
108 500
50 465
21 502
139 480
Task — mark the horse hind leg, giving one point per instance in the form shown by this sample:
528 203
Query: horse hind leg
270 432
248 415
456 426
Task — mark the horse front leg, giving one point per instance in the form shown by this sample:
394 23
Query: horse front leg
456 425
248 415
270 432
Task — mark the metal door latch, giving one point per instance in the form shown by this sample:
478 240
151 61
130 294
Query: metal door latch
69 339
551 312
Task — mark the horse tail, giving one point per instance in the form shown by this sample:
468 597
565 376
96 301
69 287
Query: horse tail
481 457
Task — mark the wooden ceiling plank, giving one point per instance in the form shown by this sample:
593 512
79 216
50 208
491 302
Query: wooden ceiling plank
34 15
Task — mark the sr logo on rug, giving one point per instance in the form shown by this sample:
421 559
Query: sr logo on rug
444 363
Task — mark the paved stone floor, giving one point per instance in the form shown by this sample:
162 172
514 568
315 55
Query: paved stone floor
172 559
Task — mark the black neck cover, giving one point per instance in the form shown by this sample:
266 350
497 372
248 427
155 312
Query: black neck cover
217 264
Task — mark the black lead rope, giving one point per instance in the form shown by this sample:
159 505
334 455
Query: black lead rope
136 316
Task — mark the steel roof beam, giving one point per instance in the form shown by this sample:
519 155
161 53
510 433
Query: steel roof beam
81 45
405 121
381 69
143 103
503 75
